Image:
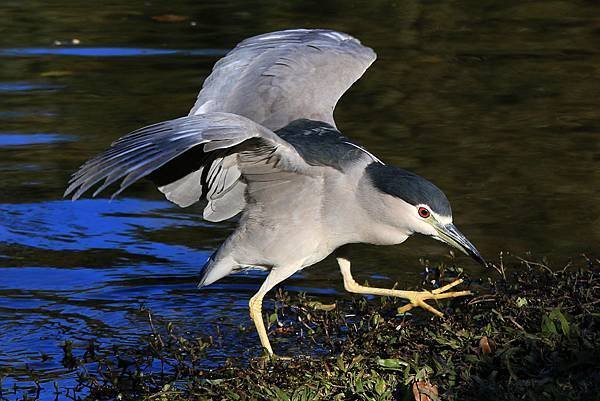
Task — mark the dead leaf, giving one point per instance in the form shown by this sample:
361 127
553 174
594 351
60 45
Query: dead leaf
425 391
487 345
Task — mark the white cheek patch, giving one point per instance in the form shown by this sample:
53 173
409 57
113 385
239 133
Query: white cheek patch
445 220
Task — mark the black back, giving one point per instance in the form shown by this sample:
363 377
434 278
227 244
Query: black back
320 144
408 186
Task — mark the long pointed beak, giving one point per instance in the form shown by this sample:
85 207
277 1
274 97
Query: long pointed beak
449 234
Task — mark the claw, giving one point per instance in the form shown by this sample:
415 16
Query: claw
431 309
447 286
417 299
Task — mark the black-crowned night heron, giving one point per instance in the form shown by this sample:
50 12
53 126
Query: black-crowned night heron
261 142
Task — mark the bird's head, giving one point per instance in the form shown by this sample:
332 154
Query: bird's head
415 205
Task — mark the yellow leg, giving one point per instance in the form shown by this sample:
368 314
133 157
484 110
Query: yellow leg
276 276
255 305
416 298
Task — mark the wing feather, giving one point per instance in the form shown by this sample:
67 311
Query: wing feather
276 78
216 146
225 149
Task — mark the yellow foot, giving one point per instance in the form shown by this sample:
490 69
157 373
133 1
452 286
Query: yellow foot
418 298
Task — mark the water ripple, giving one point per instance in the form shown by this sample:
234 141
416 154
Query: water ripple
109 52
24 86
91 224
15 139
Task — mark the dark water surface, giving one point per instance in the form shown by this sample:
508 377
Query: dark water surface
496 102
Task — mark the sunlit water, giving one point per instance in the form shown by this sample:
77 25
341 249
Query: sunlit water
497 103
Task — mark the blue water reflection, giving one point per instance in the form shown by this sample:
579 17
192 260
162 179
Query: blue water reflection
88 224
8 87
108 52
115 273
14 139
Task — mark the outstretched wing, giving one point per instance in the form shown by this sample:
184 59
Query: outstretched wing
205 157
276 78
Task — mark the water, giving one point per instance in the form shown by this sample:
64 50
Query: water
496 102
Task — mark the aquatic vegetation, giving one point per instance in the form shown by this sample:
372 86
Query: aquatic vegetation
530 334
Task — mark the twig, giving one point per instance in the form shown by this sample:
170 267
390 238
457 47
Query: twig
513 321
543 266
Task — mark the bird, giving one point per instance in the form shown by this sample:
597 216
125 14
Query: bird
261 145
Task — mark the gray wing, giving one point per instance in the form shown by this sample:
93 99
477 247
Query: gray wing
280 77
208 157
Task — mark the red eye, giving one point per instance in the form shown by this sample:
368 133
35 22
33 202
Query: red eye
423 212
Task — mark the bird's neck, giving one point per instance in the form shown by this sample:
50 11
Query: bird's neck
362 217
